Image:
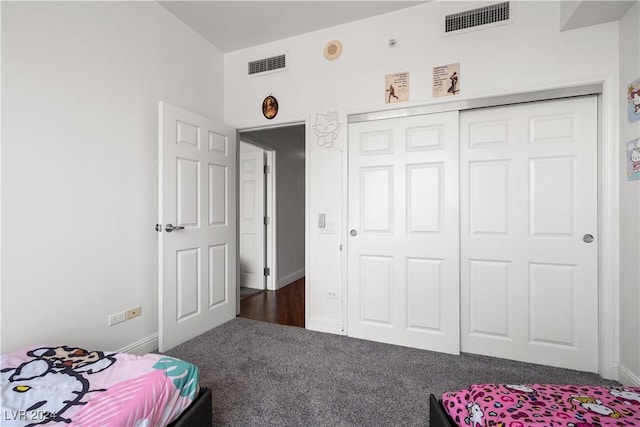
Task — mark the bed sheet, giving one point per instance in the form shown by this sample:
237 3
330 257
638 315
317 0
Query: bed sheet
521 405
68 386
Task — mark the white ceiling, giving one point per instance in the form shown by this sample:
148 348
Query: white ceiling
586 13
233 25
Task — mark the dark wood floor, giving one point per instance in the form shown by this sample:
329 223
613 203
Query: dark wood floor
284 306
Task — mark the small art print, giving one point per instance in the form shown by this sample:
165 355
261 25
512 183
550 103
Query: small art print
632 153
446 80
396 87
270 107
633 98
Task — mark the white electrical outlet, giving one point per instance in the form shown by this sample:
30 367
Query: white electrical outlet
332 294
117 318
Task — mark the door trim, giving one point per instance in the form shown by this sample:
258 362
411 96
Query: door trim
606 87
492 101
270 211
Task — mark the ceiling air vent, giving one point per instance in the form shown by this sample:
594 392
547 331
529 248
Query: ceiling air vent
476 17
268 64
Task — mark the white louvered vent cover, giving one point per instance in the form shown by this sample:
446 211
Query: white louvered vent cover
476 17
268 64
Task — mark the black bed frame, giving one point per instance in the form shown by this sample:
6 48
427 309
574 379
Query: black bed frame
198 414
438 417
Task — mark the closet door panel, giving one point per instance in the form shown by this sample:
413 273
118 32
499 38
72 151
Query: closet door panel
529 282
403 246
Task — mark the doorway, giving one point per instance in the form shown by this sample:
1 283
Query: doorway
272 268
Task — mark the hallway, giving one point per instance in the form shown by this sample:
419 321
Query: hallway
284 306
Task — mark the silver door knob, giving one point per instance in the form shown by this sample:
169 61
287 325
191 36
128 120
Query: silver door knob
587 238
169 228
353 233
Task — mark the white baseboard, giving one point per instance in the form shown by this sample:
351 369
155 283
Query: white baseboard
626 377
321 326
290 278
143 346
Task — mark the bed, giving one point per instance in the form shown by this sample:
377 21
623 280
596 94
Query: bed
66 386
520 405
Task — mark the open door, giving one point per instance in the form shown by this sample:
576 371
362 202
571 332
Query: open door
197 213
252 216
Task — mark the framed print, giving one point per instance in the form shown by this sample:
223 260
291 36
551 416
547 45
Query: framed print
446 80
270 107
396 87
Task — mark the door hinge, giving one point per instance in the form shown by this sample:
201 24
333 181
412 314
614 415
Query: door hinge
267 271
267 169
266 220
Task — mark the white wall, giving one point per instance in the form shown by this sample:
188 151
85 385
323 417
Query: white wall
529 54
629 208
289 146
81 83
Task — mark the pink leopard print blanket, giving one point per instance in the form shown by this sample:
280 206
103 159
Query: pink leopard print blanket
518 405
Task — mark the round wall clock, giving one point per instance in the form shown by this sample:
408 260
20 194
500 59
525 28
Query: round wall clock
270 107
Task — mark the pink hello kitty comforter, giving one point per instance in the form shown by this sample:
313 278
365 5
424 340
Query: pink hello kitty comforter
516 405
70 386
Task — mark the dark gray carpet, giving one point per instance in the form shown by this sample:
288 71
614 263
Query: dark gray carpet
263 374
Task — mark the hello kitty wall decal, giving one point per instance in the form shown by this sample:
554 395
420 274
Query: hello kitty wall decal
632 154
633 100
325 128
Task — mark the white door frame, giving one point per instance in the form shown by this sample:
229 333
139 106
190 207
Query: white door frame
606 88
270 212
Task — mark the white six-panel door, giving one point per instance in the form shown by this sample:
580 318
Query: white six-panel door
252 213
197 191
403 248
528 199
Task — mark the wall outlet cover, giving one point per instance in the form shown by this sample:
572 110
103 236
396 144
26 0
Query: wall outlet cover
114 319
134 312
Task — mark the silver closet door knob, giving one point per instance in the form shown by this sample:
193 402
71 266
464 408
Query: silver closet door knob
588 238
353 233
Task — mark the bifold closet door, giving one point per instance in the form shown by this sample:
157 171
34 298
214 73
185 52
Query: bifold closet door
403 247
529 243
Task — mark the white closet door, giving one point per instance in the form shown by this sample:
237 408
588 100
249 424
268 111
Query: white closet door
529 277
403 247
